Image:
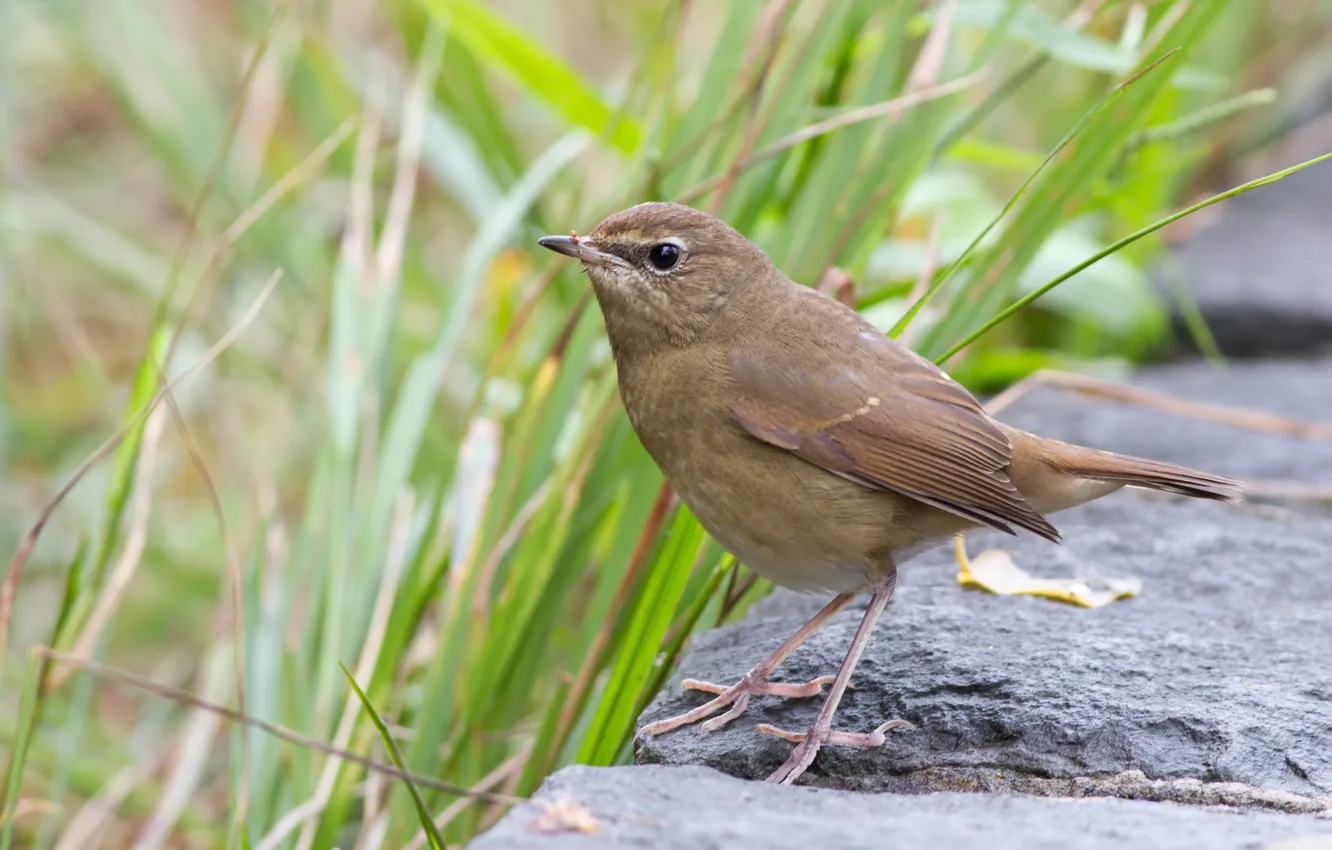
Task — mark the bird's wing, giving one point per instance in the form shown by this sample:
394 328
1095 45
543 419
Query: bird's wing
860 405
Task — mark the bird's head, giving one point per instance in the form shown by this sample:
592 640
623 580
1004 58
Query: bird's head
664 272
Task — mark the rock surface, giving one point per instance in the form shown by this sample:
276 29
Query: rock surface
1262 274
700 809
1213 686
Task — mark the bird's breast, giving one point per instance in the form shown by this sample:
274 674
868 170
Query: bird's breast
788 520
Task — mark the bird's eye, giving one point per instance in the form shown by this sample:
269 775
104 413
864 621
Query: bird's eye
663 257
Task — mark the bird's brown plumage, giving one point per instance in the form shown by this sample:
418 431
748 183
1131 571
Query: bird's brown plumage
882 418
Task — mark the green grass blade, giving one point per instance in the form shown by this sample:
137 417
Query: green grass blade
125 459
943 277
686 625
427 822
501 45
1192 315
1056 198
613 723
1122 243
18 755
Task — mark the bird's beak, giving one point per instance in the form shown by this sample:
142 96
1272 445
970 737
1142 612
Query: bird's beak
578 248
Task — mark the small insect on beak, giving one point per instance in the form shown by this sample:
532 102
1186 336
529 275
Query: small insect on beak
578 248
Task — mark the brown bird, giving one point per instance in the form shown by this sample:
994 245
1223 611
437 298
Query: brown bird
818 451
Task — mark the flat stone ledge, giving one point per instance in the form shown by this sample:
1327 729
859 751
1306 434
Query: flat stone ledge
1213 686
696 808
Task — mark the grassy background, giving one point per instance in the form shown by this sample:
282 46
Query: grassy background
398 447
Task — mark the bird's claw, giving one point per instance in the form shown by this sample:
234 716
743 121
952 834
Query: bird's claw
736 697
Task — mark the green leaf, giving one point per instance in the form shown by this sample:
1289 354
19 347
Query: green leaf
18 752
1114 295
503 46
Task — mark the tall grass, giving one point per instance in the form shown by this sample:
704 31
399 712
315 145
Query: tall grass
407 470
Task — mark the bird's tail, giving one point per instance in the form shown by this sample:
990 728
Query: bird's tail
1137 472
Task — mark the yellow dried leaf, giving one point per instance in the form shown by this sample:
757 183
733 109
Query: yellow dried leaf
564 815
995 571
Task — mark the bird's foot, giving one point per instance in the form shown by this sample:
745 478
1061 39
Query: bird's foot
737 697
809 743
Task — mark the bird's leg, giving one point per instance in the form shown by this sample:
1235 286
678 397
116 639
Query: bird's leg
820 732
755 682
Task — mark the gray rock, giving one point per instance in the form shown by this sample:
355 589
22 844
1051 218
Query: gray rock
698 809
1213 686
1262 273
